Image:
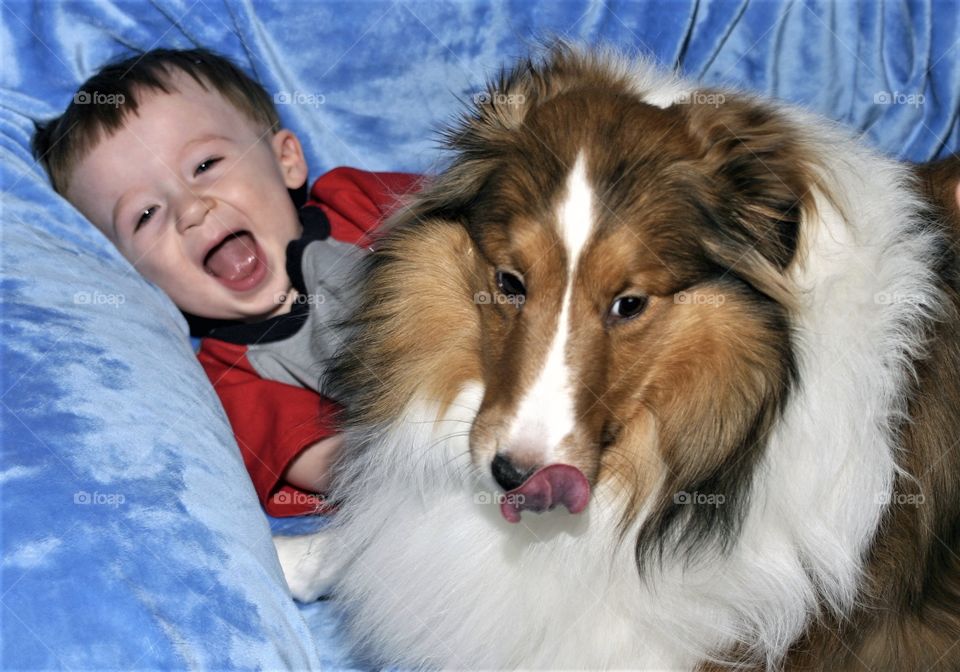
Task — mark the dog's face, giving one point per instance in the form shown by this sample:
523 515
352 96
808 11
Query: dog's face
616 339
613 273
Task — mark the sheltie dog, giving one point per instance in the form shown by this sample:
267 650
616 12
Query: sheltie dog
656 377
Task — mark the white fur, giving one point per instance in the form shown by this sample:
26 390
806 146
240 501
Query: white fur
545 414
439 579
311 563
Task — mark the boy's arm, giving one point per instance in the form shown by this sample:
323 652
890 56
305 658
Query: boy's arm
310 469
274 424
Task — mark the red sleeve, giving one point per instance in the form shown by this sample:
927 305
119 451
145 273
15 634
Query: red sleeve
357 201
272 421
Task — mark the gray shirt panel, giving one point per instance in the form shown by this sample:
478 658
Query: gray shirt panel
329 272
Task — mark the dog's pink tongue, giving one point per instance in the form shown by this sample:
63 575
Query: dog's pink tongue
235 258
547 487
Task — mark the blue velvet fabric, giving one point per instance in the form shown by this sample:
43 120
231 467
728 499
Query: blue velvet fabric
131 536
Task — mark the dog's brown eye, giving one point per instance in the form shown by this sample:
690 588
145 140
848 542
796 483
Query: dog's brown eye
627 307
510 284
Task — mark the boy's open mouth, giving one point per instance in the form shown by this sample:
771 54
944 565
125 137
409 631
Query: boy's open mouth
237 262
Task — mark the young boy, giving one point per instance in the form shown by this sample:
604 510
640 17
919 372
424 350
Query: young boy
179 159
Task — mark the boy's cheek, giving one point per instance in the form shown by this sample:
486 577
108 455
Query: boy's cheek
164 276
184 288
188 298
105 228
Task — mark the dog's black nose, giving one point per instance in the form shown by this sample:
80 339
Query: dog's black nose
506 474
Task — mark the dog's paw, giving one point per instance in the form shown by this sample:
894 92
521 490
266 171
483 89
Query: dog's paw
309 566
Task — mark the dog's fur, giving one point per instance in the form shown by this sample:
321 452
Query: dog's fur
771 443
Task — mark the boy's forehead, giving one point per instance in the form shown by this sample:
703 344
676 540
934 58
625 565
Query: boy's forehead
187 110
164 122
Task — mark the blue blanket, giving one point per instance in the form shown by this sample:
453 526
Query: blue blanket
131 534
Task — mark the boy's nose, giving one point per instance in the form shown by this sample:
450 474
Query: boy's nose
193 211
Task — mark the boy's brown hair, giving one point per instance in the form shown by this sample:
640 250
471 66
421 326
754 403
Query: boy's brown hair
101 104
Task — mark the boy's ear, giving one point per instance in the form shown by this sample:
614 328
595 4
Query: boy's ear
289 154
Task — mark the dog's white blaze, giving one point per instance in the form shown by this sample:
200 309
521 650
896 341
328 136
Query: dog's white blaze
547 413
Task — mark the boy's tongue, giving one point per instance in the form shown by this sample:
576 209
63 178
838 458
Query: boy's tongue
234 259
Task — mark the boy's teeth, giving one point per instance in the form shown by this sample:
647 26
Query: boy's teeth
233 259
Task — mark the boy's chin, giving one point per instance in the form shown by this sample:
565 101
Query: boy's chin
270 302
219 306
275 309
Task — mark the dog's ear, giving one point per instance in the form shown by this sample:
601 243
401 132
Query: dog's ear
757 181
479 141
501 109
486 133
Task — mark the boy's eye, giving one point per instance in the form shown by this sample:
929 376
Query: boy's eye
145 215
206 165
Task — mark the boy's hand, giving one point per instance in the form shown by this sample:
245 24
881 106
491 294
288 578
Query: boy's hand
310 470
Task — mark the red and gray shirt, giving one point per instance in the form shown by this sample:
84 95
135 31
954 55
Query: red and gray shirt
267 374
